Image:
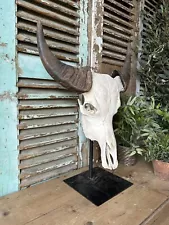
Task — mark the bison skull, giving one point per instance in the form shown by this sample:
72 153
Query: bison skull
98 107
100 99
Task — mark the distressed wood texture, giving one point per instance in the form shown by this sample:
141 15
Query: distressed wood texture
96 26
48 118
149 7
135 39
117 30
120 25
48 114
8 100
55 203
51 140
160 216
61 22
84 60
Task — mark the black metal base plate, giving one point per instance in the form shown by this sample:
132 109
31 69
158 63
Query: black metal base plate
102 187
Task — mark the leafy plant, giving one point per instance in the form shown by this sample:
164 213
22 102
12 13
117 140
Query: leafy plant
157 141
157 147
154 72
143 126
134 122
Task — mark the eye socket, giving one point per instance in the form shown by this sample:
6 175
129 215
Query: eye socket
89 107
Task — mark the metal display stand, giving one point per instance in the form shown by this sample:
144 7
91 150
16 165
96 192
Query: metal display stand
91 160
97 184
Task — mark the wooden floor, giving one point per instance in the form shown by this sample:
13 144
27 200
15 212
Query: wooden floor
55 203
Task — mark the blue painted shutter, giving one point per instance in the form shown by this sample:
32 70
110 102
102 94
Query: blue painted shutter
48 114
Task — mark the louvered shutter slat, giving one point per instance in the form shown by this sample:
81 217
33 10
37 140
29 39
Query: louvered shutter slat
149 7
116 42
116 34
117 11
48 23
117 49
48 33
48 172
61 27
47 130
117 30
48 13
26 48
52 44
71 3
48 113
150 4
108 60
120 5
49 84
117 27
127 2
58 7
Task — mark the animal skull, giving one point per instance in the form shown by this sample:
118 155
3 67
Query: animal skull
98 107
100 97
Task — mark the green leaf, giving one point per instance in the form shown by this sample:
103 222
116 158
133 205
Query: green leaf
132 153
139 151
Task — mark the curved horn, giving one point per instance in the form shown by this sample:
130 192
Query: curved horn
125 73
75 79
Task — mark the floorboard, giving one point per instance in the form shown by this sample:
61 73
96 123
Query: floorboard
55 203
159 216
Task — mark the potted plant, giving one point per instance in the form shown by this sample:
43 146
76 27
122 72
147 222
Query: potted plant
154 76
157 144
135 122
157 151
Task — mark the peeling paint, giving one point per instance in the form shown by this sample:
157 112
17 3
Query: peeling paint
63 47
84 61
99 42
47 151
51 173
3 44
45 143
26 126
33 69
97 35
7 96
5 57
83 48
8 101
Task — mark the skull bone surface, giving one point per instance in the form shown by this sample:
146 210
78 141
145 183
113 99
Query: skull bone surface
99 97
98 107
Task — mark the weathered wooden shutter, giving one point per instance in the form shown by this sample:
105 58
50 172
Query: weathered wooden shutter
60 20
48 114
148 8
117 30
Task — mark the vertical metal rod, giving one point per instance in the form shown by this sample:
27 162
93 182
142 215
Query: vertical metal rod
91 160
